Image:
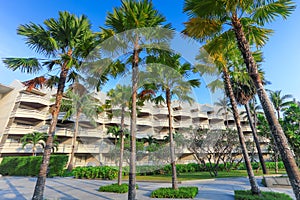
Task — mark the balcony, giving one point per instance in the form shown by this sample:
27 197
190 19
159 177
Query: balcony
160 111
28 113
199 115
20 130
215 117
93 148
161 123
92 133
17 148
145 121
183 124
182 113
33 99
64 132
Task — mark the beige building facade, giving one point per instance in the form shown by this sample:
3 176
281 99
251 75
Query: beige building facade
24 111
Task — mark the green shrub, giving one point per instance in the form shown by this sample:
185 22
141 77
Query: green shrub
30 165
247 195
102 172
182 192
115 188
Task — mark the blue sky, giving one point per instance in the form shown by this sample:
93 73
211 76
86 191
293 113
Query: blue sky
281 53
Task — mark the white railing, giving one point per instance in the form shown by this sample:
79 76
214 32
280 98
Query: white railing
145 121
17 148
34 98
20 129
181 113
160 122
91 133
199 115
157 111
22 112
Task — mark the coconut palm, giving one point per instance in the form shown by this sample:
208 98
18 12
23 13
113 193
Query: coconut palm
244 91
223 61
280 102
78 101
133 15
120 96
224 108
64 42
243 21
165 74
34 139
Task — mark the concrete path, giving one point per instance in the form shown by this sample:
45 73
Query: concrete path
21 188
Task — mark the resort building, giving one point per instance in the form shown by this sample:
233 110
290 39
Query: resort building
24 111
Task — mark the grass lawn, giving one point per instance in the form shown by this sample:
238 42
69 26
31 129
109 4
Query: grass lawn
200 175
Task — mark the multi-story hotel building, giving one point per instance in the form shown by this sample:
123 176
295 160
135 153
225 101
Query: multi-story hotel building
24 111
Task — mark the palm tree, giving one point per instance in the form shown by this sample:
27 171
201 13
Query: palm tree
243 21
224 108
244 91
170 82
224 60
78 101
120 96
35 139
280 102
64 41
133 15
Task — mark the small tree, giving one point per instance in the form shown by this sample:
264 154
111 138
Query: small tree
213 147
35 139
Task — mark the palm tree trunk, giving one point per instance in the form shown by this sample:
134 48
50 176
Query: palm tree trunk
276 160
276 129
132 165
255 138
41 180
121 146
33 151
74 139
172 149
278 114
226 117
254 187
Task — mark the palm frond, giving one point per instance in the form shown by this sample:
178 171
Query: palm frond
25 65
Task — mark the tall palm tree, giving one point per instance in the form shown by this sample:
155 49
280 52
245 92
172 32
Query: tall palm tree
35 139
64 42
165 74
78 101
244 91
223 61
133 15
224 108
120 96
280 102
243 21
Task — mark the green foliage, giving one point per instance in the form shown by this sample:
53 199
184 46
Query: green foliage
247 195
291 126
182 192
256 165
30 166
102 172
123 188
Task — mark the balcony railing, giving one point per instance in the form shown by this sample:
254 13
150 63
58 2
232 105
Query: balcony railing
28 113
34 99
20 129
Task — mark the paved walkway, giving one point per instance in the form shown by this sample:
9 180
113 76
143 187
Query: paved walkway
21 188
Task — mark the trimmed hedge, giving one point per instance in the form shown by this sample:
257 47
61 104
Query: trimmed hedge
115 188
102 172
30 165
269 165
247 195
182 192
